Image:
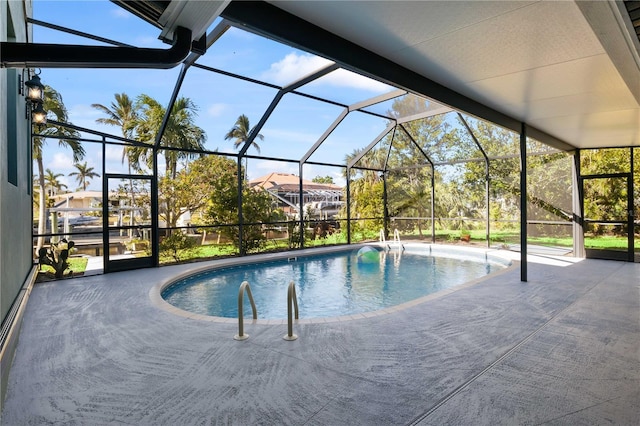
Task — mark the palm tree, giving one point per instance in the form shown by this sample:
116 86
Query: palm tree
83 174
240 133
53 185
180 132
122 113
54 105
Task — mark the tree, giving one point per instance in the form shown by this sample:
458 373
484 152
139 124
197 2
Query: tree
53 185
323 179
605 198
180 133
122 113
83 174
191 188
409 179
222 207
54 106
548 171
240 133
366 189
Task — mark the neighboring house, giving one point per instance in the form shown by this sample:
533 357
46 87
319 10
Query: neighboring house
79 200
322 200
84 206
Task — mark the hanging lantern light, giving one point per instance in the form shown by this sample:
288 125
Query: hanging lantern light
35 90
39 115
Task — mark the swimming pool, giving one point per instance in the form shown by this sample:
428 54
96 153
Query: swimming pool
332 284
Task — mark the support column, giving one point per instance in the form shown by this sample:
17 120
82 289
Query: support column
578 217
523 202
385 209
155 204
240 216
301 193
348 206
630 213
433 204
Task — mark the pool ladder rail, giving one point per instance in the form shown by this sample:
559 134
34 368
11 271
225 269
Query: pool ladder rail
396 239
292 310
292 301
244 287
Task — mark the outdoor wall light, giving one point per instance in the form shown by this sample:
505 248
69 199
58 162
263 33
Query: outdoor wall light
35 90
39 115
35 96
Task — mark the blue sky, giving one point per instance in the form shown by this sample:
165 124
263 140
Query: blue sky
293 128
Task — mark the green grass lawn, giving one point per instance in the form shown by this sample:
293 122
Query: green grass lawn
600 242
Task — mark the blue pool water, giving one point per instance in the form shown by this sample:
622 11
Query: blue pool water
327 285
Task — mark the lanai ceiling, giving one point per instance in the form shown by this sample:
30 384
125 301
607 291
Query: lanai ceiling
570 69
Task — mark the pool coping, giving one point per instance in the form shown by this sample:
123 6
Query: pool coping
155 293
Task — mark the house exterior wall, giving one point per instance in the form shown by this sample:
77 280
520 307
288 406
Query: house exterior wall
15 184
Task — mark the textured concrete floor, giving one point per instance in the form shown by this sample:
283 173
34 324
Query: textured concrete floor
563 348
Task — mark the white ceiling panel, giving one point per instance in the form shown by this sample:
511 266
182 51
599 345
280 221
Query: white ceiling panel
588 78
507 43
561 66
596 130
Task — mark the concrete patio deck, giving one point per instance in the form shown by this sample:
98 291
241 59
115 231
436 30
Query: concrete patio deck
562 348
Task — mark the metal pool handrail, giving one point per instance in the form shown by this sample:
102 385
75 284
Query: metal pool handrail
245 286
396 239
292 299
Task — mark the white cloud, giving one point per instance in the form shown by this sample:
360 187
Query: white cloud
261 168
70 182
338 178
60 161
294 66
85 116
84 112
113 153
344 78
216 110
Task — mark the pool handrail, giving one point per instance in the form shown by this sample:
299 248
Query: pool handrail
292 299
396 239
244 287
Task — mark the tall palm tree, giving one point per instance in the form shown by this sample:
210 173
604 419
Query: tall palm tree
122 113
180 132
53 184
240 133
83 174
54 106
